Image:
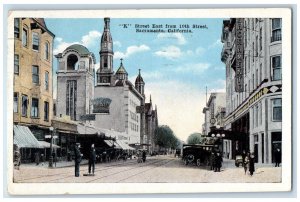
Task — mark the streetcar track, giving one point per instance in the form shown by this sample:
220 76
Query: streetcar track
141 165
146 170
124 171
71 176
82 169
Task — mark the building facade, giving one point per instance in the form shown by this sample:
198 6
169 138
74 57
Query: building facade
125 110
33 53
75 82
115 97
252 51
214 112
33 101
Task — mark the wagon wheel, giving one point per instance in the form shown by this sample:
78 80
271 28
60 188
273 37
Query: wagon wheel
190 158
198 162
186 162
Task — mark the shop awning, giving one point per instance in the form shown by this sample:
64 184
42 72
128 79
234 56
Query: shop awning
45 144
24 138
124 145
86 130
111 143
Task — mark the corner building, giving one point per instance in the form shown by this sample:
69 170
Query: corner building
33 73
252 49
33 101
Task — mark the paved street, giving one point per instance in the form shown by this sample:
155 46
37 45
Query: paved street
156 169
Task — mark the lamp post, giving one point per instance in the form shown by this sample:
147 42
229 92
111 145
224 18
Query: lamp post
51 140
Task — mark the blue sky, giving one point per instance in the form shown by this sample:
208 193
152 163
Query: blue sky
175 67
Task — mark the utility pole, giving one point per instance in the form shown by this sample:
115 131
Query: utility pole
206 95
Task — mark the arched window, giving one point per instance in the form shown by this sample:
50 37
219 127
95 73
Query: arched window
72 62
47 51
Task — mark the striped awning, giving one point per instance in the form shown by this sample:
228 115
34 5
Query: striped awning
24 138
124 145
45 144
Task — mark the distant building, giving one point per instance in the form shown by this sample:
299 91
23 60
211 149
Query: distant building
33 101
252 49
214 112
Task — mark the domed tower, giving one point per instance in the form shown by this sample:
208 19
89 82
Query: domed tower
140 84
75 81
121 73
105 72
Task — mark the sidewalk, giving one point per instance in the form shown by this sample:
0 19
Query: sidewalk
230 163
59 164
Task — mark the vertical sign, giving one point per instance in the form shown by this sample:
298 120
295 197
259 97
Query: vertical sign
239 50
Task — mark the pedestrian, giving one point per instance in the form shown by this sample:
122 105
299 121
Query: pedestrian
277 157
144 156
244 154
251 164
246 163
212 160
37 158
218 162
92 159
78 157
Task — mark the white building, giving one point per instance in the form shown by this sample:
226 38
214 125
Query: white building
213 112
252 50
115 97
75 81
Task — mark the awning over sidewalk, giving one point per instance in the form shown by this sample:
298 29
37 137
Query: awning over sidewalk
45 144
124 145
24 138
111 143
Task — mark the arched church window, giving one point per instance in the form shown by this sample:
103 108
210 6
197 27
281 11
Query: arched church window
72 62
105 62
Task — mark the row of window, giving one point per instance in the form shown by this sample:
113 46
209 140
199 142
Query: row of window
276 25
35 39
257 78
34 72
34 112
134 127
134 116
276 112
132 103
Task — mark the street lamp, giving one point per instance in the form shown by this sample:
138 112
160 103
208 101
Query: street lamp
51 140
213 135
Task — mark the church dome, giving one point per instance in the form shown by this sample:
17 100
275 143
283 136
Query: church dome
121 69
121 73
82 50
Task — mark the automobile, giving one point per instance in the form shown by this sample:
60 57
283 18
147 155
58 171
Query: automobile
238 160
196 154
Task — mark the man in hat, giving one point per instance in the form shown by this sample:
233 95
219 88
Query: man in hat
92 159
78 157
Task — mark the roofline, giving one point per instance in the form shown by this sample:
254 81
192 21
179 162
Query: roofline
45 27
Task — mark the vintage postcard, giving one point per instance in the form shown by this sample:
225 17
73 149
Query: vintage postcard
149 101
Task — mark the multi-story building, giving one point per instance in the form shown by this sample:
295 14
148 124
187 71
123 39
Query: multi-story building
33 100
214 112
122 98
75 82
252 50
117 98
